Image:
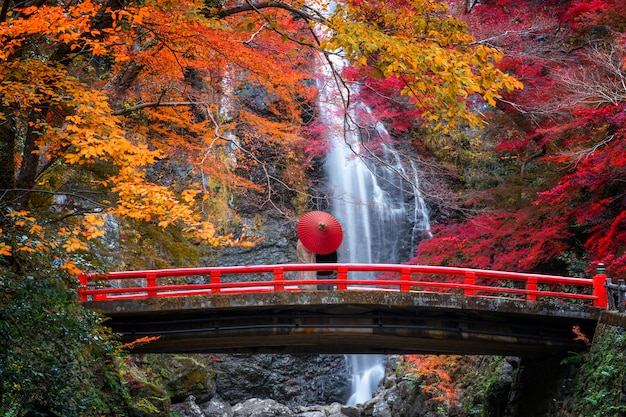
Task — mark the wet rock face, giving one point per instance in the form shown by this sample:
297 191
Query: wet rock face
278 244
293 380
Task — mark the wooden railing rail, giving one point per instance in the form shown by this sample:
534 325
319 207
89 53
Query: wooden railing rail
391 277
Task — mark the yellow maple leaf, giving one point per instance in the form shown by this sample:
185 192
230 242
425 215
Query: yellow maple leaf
71 268
5 250
25 248
73 244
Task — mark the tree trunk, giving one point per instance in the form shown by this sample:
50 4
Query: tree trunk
7 160
27 172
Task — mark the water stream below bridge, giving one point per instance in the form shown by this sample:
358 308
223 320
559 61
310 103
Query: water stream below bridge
375 196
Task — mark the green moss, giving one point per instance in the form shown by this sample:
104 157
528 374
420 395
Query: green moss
601 378
56 358
151 406
484 374
176 375
149 246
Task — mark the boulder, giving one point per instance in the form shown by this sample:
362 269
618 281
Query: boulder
217 407
188 408
180 375
255 407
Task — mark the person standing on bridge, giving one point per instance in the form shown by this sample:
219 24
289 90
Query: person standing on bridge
305 256
326 258
321 233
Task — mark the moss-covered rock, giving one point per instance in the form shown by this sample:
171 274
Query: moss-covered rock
153 406
146 398
601 378
180 375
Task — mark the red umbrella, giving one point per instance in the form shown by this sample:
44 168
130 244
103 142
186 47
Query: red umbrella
320 232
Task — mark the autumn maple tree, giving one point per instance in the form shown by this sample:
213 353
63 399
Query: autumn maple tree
552 197
432 374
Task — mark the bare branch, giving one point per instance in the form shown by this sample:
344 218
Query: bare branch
156 104
5 191
602 81
255 7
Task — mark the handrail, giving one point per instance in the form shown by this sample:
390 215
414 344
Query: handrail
472 282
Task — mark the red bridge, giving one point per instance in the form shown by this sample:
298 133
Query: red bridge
394 309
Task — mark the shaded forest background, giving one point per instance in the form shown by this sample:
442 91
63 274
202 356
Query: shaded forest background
143 134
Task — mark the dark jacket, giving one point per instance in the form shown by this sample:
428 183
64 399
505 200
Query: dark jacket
326 259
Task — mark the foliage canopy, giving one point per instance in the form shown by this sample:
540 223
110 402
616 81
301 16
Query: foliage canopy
160 112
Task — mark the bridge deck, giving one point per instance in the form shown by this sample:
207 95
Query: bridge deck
354 321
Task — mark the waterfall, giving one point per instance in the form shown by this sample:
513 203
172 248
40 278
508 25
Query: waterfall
367 371
375 198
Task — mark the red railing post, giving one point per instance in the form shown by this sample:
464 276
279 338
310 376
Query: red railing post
531 285
151 283
215 279
470 279
405 277
103 295
599 289
82 280
279 279
342 275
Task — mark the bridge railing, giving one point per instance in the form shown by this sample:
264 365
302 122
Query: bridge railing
388 277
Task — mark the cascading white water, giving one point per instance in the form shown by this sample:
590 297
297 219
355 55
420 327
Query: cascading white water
367 371
369 198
